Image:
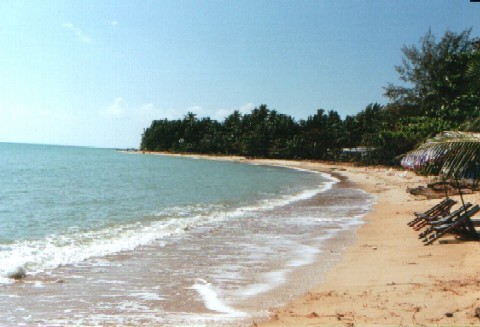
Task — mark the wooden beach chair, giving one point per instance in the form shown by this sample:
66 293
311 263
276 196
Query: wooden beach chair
441 209
475 222
438 209
434 219
452 224
460 226
444 220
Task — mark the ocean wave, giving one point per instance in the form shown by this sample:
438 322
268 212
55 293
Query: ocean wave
35 256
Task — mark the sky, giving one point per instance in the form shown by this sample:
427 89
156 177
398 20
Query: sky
96 73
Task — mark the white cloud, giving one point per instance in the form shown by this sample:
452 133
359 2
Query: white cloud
118 109
121 124
114 23
246 108
150 112
222 113
81 35
198 110
219 114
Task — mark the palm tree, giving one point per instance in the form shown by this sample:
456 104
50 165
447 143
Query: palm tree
473 72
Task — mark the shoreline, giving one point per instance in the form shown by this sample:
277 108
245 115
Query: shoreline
386 276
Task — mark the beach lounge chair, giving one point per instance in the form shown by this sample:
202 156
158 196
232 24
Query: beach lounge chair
444 220
457 225
475 222
441 209
438 209
433 219
460 226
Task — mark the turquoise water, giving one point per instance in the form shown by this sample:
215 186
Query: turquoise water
64 195
111 238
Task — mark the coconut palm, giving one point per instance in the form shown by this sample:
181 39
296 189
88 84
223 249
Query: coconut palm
473 72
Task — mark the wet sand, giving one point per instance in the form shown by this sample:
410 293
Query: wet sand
388 277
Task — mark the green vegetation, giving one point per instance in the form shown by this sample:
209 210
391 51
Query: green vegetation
440 91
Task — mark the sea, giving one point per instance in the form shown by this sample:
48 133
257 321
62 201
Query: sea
112 238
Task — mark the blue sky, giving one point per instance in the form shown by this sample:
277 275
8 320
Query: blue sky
96 73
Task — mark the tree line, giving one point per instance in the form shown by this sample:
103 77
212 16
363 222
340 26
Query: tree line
439 90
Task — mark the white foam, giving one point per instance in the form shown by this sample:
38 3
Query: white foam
284 200
4 280
303 256
147 296
211 300
106 281
131 306
38 284
71 248
270 281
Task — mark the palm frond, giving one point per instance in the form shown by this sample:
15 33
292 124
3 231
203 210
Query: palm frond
453 154
473 72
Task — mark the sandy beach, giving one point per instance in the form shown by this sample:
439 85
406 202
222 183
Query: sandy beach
388 277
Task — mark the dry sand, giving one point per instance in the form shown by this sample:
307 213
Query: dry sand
388 277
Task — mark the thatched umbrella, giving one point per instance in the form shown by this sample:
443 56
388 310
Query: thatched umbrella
450 154
453 154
